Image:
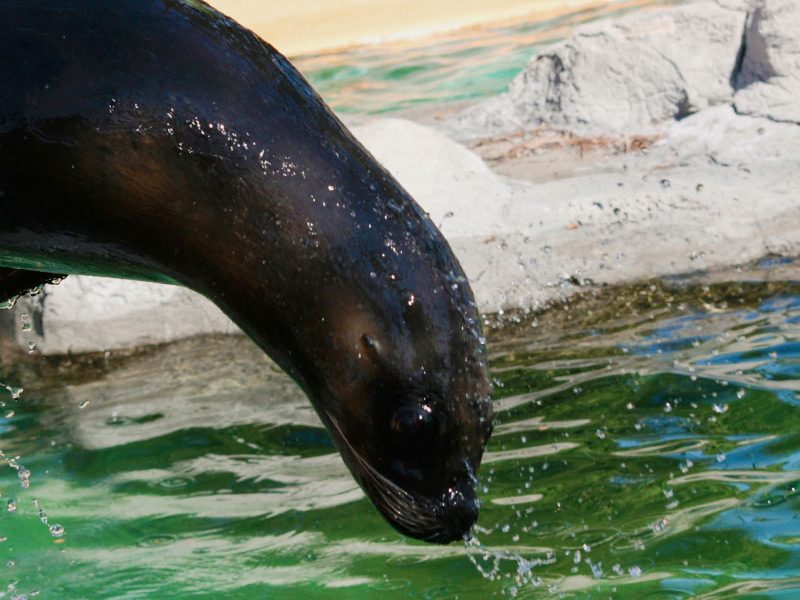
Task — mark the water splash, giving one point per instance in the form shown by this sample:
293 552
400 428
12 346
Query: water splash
496 564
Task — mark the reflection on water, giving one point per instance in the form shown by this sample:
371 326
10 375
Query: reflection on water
647 454
467 65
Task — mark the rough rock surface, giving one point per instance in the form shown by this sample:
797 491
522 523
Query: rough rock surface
451 182
86 314
720 188
628 76
769 78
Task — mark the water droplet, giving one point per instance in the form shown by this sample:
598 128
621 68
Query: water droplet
24 477
15 392
660 525
597 569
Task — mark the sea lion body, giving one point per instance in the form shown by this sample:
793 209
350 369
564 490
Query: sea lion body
159 140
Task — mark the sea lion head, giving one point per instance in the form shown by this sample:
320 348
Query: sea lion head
413 415
395 364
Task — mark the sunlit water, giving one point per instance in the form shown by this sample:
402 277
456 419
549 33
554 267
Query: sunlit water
651 454
466 65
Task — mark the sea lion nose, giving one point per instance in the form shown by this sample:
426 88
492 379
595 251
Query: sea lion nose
464 516
461 510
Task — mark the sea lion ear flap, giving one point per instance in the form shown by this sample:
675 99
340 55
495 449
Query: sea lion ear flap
370 342
373 347
376 352
17 282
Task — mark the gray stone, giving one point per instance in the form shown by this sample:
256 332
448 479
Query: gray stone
627 76
90 314
769 78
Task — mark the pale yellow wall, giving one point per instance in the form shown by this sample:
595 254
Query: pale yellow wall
301 26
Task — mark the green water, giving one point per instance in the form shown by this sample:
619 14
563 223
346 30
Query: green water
646 446
639 451
466 65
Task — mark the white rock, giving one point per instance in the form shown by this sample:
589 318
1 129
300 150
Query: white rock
717 190
625 76
770 75
90 314
449 181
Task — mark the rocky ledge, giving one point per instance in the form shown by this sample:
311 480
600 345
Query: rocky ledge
659 144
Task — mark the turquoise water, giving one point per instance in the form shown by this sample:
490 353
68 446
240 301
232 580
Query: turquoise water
466 65
642 448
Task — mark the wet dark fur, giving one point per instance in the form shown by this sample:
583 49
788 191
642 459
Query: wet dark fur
158 140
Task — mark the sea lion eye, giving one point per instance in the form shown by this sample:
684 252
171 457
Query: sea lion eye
412 425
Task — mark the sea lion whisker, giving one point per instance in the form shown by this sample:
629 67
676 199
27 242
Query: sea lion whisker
385 483
407 508
414 511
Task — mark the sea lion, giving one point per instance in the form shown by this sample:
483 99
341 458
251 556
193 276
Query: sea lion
159 140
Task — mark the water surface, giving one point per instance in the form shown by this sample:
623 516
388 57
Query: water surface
638 451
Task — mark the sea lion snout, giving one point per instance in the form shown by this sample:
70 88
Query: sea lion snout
460 509
440 520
